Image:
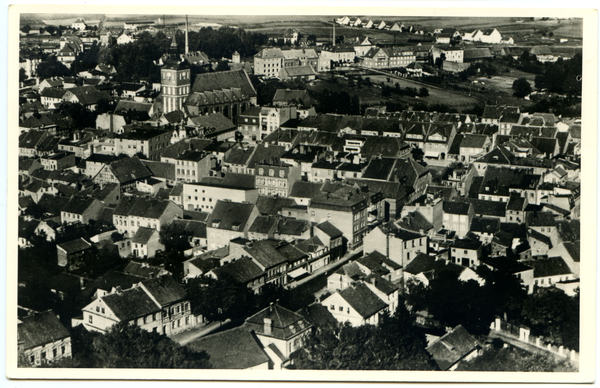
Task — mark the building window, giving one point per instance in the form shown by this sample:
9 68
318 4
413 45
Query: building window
332 307
341 308
91 319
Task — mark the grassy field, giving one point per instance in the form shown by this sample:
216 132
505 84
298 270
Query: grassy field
436 95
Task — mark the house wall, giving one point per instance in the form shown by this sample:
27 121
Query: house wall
341 310
459 255
351 224
50 352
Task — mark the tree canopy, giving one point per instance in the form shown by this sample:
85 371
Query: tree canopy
521 87
394 344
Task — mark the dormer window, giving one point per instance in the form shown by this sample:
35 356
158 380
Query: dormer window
235 226
216 223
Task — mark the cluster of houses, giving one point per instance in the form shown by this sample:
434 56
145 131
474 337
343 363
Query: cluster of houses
277 193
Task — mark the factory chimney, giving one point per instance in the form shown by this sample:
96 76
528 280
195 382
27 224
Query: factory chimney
187 50
334 32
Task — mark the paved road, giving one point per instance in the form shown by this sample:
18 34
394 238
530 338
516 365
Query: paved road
197 332
356 252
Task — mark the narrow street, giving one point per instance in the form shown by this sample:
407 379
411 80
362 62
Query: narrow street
197 332
354 254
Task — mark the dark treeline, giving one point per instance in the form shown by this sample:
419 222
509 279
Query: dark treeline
222 42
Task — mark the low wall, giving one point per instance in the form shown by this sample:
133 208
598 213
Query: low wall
523 334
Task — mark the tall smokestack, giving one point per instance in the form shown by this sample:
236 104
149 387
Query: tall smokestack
334 32
187 50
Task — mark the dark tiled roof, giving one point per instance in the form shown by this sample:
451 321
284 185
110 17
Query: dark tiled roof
78 205
540 219
452 347
143 235
160 169
318 315
40 329
363 300
263 224
414 221
131 304
237 348
329 229
286 324
421 263
196 228
224 80
164 289
467 244
574 250
142 269
273 205
456 208
242 270
75 246
485 225
270 253
473 141
551 266
228 213
130 169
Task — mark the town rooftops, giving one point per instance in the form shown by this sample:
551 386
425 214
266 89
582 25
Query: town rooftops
421 263
473 141
237 348
485 225
78 205
285 324
362 299
378 263
495 111
164 289
40 329
224 80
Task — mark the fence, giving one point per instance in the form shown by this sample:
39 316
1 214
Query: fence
523 334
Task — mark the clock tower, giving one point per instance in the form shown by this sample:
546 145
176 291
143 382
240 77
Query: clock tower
175 81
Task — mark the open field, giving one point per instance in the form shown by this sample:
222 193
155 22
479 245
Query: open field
436 95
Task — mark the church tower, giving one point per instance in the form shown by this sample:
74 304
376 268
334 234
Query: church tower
175 81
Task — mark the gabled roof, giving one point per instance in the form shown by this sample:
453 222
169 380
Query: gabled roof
378 263
362 299
129 169
269 253
227 213
485 225
540 219
131 304
40 329
164 289
473 141
237 348
330 230
143 235
551 266
142 269
196 228
318 315
286 324
243 270
78 205
75 246
273 205
414 221
452 347
224 80
532 233
421 263
88 95
456 208
160 169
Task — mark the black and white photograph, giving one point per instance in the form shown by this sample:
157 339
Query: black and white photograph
206 194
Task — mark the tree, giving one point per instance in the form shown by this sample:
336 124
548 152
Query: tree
439 61
521 87
555 315
423 92
512 359
22 75
175 237
394 344
417 153
129 346
26 28
52 68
